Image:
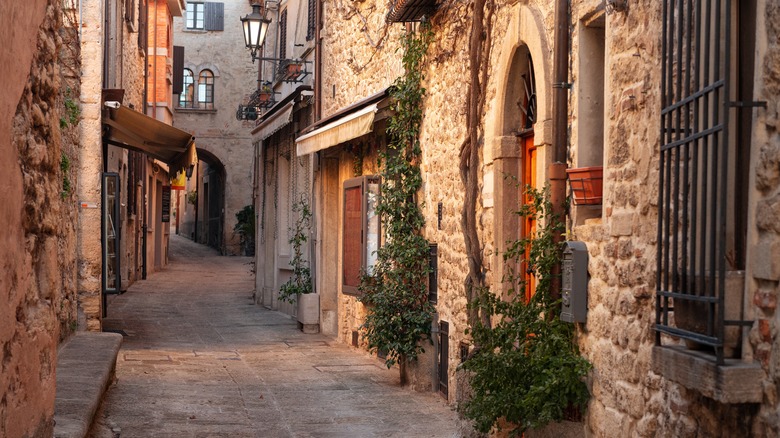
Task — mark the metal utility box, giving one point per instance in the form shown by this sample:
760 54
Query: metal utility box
574 290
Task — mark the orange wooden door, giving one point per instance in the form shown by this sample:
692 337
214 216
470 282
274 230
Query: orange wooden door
529 222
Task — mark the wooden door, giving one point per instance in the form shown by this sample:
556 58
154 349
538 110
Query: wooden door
529 222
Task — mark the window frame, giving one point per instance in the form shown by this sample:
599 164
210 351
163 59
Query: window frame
205 100
183 102
367 184
191 22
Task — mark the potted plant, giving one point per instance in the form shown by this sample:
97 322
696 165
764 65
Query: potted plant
300 288
586 184
290 69
245 228
264 93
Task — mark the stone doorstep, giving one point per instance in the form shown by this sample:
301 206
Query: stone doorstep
85 366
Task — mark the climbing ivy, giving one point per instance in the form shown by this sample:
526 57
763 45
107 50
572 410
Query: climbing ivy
398 312
527 369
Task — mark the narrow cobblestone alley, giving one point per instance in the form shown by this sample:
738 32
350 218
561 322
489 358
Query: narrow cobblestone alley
199 359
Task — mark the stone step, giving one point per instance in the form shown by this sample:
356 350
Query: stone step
85 367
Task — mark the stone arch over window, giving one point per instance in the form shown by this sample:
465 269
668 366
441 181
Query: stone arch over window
206 89
187 96
520 116
209 66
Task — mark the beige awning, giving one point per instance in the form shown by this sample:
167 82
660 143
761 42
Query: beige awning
346 128
136 131
276 122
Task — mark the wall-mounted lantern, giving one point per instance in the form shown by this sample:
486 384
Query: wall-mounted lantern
255 27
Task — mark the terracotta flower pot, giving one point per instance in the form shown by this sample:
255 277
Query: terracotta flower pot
586 184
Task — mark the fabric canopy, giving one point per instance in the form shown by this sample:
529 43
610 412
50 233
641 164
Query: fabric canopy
133 130
276 121
346 128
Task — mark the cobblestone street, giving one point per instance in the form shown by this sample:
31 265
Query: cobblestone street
199 359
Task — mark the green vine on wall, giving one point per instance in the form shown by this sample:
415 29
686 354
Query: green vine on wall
301 281
67 186
527 369
398 313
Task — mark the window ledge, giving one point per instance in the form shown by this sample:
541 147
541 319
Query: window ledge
734 382
196 110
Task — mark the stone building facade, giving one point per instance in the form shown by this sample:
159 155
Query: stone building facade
211 35
127 52
286 106
639 383
38 213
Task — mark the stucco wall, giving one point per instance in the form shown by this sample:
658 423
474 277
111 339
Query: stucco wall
37 239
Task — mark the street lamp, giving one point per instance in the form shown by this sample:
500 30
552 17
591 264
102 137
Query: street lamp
255 28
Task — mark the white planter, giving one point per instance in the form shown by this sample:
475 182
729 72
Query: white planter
309 312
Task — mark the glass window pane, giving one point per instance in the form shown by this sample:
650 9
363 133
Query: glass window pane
372 221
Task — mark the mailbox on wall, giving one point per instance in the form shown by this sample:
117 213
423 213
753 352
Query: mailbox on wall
574 290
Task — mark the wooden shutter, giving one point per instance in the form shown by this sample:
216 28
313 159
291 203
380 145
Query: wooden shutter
283 35
215 16
178 69
142 30
312 19
353 235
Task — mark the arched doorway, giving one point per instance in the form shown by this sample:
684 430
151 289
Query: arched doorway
520 156
202 206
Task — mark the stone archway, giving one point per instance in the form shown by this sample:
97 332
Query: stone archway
201 216
517 151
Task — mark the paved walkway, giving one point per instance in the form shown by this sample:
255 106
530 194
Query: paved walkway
199 359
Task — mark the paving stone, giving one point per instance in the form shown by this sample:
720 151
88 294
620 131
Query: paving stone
203 361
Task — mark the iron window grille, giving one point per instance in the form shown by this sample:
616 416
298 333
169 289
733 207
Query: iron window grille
701 229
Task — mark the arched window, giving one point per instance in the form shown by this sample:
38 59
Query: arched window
187 96
206 90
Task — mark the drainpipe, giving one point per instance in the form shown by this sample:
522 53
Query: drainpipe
145 223
317 62
560 122
154 60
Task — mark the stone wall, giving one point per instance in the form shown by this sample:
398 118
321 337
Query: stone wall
764 232
628 398
359 56
619 337
37 239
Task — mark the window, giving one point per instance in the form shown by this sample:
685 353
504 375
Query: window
186 98
195 18
283 35
206 90
310 28
361 230
701 218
